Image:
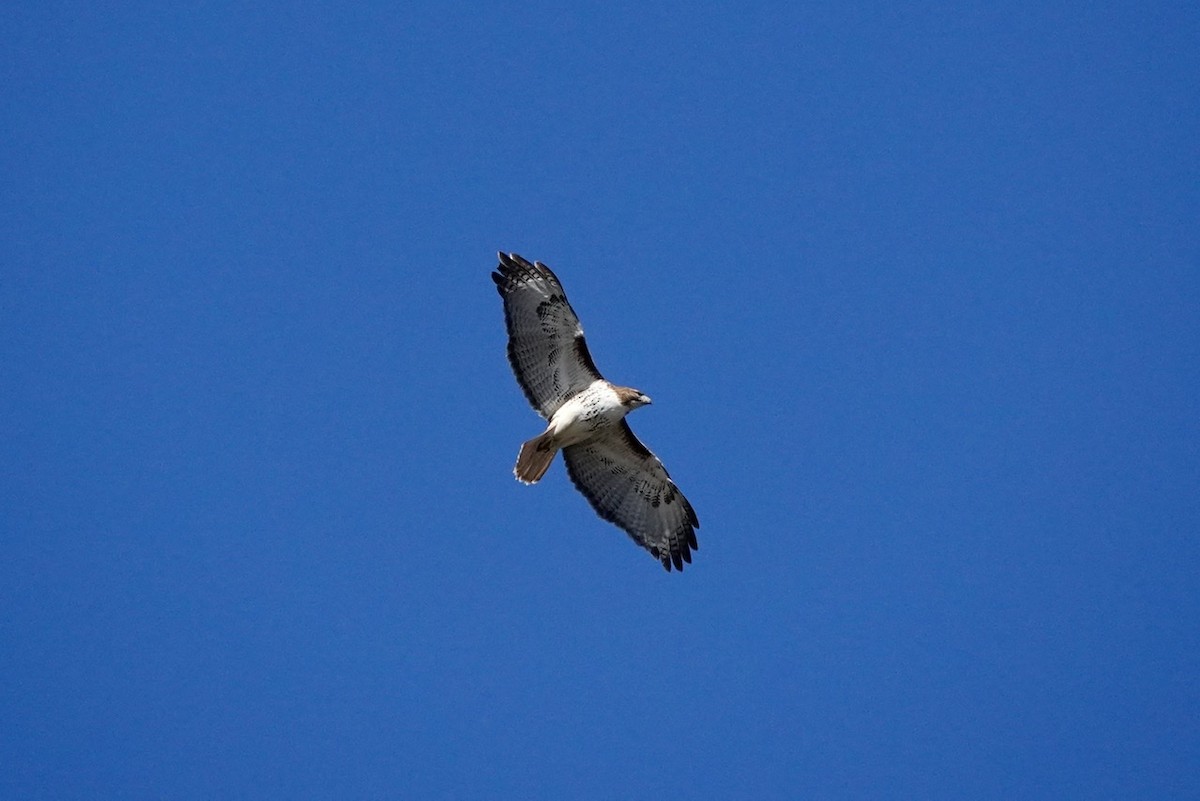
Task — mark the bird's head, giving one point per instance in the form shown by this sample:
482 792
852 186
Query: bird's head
632 398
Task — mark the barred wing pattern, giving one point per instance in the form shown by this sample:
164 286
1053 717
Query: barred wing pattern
627 485
546 348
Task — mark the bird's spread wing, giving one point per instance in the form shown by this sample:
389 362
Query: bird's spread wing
628 485
546 347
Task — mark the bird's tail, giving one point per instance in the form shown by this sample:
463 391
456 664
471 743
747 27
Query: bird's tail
534 459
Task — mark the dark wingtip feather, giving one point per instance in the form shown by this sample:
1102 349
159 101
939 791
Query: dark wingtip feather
513 261
682 552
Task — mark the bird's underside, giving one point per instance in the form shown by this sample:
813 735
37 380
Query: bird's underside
624 482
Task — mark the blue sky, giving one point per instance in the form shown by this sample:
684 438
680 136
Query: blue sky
915 291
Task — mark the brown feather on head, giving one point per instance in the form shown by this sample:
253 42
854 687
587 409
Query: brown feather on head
633 398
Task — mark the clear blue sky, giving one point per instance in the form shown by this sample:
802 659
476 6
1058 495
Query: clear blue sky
916 292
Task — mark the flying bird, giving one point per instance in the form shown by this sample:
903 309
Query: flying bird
624 482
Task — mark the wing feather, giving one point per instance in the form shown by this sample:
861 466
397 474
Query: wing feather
546 348
627 485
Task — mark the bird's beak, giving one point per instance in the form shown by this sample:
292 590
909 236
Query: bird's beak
646 400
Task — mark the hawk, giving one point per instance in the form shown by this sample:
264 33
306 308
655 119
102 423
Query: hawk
623 481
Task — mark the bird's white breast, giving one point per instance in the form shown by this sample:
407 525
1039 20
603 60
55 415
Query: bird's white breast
587 415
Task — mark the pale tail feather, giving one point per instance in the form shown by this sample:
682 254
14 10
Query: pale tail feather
534 459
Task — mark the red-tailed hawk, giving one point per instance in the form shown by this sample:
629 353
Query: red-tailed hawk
624 482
